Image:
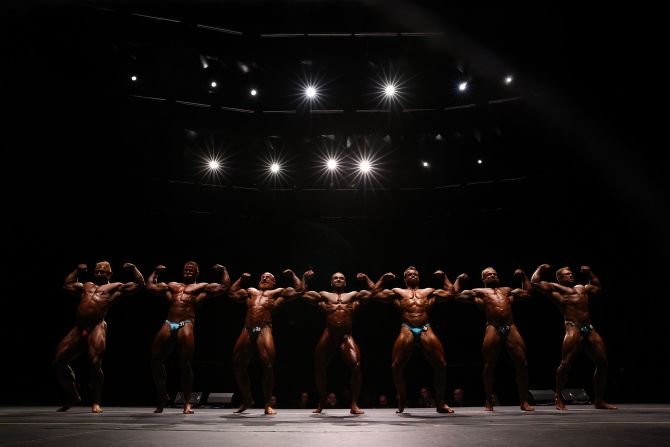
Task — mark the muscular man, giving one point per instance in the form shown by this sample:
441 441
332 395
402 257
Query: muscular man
573 302
256 336
414 304
339 307
500 329
183 300
90 329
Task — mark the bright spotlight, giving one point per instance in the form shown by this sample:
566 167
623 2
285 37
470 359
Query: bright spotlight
213 84
480 161
274 168
425 164
133 78
508 80
364 166
310 92
214 165
332 164
253 92
462 86
389 90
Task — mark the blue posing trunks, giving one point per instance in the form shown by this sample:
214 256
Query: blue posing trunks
416 331
174 327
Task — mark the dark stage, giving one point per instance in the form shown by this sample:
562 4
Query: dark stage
632 424
560 165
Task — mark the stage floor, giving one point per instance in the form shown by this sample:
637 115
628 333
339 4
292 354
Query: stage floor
642 424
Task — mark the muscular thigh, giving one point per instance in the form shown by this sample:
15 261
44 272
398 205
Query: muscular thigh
70 346
326 346
97 340
350 351
515 344
432 346
266 345
595 347
572 343
186 341
492 343
403 346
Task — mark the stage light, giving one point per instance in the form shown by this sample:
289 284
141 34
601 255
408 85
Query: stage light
389 90
275 168
480 161
425 164
253 92
463 86
213 84
133 78
310 92
331 164
508 80
214 165
364 166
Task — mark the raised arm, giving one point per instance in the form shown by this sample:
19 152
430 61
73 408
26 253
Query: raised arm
153 285
236 292
72 285
593 287
216 289
298 285
538 285
365 279
447 291
524 291
468 296
363 296
378 292
310 296
134 286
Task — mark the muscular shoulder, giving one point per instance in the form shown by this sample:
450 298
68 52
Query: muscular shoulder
426 292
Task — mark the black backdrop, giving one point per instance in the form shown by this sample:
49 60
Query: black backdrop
87 176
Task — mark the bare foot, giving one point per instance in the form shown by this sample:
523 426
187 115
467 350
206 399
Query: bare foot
602 405
560 405
488 406
356 410
73 401
525 406
443 408
269 410
318 410
95 408
188 409
242 409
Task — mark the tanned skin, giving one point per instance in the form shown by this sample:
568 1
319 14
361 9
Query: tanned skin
573 301
339 307
497 303
90 329
414 304
183 300
261 302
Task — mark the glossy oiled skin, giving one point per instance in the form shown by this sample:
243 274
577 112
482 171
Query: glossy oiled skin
90 330
339 307
260 303
414 305
497 304
573 302
183 299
